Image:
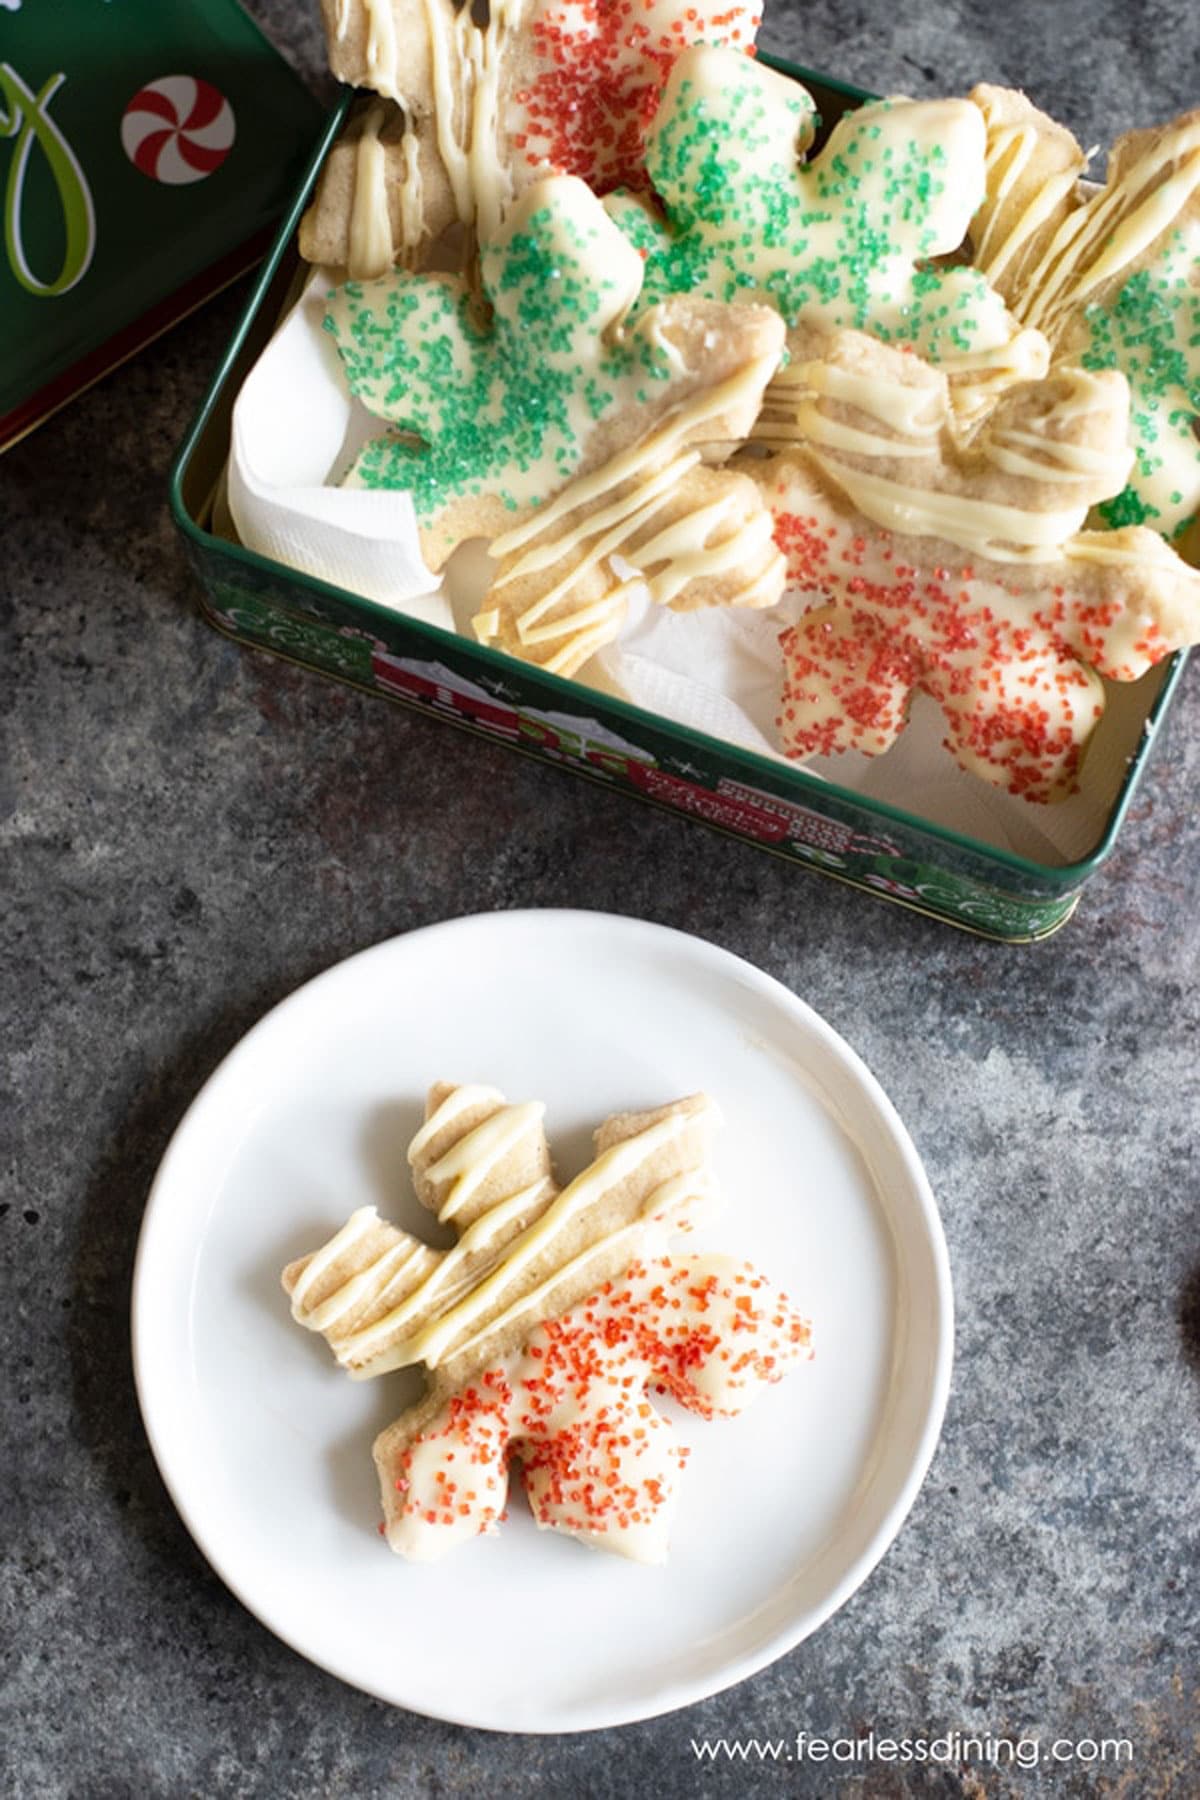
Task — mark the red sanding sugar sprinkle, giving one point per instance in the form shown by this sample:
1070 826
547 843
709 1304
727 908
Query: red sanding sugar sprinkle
601 69
1004 658
576 1413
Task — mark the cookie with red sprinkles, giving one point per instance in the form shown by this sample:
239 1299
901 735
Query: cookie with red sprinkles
550 1327
964 571
536 88
575 1409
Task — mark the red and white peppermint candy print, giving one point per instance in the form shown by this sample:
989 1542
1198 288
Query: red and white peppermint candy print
178 129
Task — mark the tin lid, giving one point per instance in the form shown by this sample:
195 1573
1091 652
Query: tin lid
146 147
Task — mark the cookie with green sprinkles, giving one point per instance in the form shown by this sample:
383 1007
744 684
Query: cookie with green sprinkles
845 239
1116 285
497 396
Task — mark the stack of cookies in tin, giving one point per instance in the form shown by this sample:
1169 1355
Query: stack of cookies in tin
622 311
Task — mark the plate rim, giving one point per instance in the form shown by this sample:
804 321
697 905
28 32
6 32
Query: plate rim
923 1207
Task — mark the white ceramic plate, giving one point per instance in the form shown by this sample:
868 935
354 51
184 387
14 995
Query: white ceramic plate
266 1446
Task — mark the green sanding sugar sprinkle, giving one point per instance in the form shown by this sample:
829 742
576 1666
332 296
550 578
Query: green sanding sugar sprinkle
1150 331
474 401
1126 509
842 238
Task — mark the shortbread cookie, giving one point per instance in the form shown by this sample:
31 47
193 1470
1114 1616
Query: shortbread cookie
492 416
1116 285
545 1323
552 417
476 1161
384 1300
597 1461
964 572
560 615
445 73
383 197
1033 167
544 87
674 531
844 239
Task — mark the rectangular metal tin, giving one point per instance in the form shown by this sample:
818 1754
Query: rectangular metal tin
882 849
149 250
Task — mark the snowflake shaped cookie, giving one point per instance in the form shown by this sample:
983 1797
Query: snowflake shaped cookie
964 572
1112 279
540 413
547 1326
844 239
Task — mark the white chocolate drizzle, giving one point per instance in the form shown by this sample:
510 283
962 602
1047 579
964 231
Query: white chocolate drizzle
383 52
911 420
1107 235
1009 150
412 223
616 502
465 67
469 1162
450 1302
1002 533
446 1334
371 252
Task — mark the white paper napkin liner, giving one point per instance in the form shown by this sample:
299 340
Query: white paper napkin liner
718 670
920 776
295 426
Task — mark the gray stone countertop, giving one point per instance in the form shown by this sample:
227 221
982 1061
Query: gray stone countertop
191 830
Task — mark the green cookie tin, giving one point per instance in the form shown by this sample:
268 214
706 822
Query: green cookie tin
883 849
147 150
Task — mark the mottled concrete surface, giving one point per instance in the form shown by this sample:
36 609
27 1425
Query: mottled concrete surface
190 831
